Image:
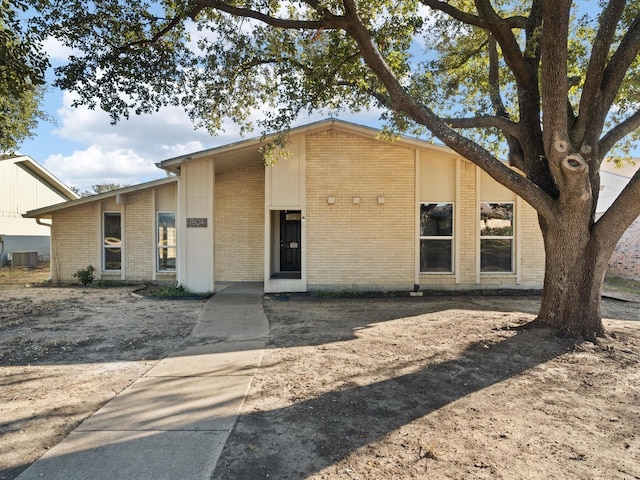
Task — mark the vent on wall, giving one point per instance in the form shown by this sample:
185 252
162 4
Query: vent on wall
24 259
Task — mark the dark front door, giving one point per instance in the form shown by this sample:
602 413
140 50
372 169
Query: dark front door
290 238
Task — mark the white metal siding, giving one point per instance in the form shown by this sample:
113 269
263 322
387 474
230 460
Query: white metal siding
20 192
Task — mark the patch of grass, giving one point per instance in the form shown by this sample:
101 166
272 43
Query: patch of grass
170 291
623 284
109 283
332 294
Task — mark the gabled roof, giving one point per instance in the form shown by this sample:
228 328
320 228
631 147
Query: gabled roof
238 154
43 175
247 152
46 212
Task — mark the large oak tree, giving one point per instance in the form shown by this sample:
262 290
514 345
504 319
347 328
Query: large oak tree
551 85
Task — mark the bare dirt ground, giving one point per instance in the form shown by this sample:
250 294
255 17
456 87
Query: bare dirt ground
64 352
438 387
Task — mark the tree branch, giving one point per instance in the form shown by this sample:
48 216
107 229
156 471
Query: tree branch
554 75
623 57
494 79
617 133
486 121
516 154
328 20
172 23
403 102
501 30
591 93
517 21
454 13
462 61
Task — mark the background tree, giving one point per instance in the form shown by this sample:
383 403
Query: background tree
556 87
22 69
97 189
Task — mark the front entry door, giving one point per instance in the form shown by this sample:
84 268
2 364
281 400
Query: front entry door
290 238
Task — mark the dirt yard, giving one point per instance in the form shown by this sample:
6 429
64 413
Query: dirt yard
64 352
438 387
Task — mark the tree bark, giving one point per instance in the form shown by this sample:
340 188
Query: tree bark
576 263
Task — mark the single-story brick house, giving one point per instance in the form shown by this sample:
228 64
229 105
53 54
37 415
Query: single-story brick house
344 211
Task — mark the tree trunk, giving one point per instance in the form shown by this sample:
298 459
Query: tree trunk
576 264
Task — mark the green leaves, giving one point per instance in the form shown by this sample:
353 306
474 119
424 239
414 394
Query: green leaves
231 59
22 71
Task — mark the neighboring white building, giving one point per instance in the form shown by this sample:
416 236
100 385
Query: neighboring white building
25 185
625 261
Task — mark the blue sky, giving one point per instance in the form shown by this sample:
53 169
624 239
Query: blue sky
82 148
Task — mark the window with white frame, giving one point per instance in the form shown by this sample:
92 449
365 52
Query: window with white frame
496 237
167 240
436 238
111 241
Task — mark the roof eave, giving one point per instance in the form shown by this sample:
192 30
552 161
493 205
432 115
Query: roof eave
45 176
45 212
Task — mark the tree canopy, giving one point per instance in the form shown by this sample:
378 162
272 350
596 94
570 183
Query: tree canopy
97 189
552 85
22 73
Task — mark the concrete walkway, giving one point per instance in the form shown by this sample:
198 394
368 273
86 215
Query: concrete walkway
173 422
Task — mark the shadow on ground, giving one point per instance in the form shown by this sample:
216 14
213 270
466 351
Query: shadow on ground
302 439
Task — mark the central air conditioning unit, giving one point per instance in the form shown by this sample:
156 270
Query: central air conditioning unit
24 259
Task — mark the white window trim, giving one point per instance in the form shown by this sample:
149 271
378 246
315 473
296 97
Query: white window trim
451 237
158 246
511 237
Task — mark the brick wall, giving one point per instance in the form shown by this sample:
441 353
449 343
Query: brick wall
468 231
139 236
625 261
74 242
239 224
75 239
532 255
364 246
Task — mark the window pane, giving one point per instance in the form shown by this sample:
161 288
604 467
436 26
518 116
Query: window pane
495 255
166 259
435 256
166 229
112 258
496 219
436 219
112 231
112 238
167 239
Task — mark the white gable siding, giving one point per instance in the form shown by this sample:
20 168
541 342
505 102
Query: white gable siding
21 191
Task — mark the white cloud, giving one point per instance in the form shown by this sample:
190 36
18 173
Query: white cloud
95 165
124 153
153 134
57 51
182 149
